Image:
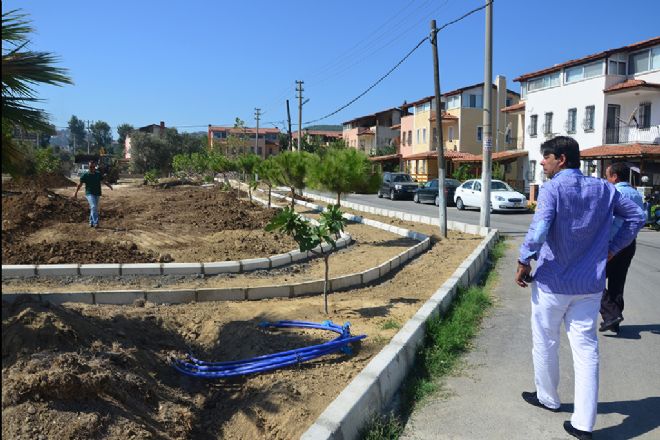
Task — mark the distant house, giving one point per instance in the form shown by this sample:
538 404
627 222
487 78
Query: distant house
267 143
324 136
154 129
609 102
462 131
373 134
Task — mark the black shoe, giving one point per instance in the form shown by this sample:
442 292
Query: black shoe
611 325
533 399
582 435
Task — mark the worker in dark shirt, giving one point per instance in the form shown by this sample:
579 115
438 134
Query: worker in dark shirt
92 180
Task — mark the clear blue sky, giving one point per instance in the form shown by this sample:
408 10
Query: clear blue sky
197 62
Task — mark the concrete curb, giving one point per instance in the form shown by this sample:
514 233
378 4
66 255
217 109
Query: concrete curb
371 390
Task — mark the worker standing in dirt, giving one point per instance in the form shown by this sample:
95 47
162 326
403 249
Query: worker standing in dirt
92 180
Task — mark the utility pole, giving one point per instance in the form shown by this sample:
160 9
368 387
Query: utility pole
288 117
257 115
487 135
89 134
442 202
300 96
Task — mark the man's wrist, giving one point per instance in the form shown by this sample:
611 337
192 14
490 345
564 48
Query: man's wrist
522 263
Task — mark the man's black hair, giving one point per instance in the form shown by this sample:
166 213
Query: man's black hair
622 171
563 145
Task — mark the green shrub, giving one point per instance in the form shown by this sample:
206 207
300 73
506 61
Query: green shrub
151 177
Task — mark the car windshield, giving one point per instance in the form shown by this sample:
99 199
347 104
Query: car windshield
401 178
499 186
452 182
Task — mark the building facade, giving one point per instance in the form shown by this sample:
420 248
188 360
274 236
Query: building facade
607 102
233 141
375 134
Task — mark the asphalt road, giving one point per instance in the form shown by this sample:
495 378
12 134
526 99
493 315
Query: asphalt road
483 402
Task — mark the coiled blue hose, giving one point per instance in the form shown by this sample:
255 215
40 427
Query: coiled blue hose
213 370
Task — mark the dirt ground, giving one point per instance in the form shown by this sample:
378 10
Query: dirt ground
79 371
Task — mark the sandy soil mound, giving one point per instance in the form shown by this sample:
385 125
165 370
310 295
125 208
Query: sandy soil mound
42 181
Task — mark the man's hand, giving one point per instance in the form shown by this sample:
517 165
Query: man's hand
523 274
75 195
610 255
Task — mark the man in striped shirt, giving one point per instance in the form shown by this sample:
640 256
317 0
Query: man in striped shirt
570 239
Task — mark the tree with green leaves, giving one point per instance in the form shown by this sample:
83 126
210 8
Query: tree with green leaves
22 70
342 171
294 167
123 131
269 172
101 135
77 132
248 165
311 237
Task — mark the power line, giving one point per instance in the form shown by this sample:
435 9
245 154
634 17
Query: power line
467 14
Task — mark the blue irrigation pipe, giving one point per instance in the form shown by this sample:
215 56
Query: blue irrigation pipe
203 369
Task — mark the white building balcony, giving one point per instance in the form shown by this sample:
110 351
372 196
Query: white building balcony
633 135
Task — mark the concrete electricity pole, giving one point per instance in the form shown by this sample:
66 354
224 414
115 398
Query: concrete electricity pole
257 115
89 135
442 202
487 135
288 117
300 96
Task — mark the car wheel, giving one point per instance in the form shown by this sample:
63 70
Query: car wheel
392 196
437 201
416 198
491 208
380 195
459 204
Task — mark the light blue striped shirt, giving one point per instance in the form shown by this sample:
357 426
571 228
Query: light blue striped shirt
569 235
628 192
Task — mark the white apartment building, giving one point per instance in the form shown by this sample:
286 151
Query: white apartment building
608 102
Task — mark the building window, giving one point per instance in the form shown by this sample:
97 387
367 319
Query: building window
570 121
450 134
644 115
617 68
453 101
532 171
645 60
585 71
547 126
508 102
588 122
409 137
533 125
544 82
423 135
480 134
475 101
418 136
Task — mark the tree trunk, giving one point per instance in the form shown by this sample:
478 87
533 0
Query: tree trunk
293 198
270 188
339 199
325 283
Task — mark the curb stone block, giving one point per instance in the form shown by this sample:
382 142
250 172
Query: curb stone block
268 292
298 256
100 269
61 298
141 269
370 275
346 282
280 260
222 267
118 296
384 268
308 288
19 270
182 268
213 294
473 229
390 366
170 296
255 264
48 270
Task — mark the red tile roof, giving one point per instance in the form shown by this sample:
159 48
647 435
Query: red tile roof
500 156
243 130
326 133
626 150
434 154
445 116
514 107
597 56
362 131
384 158
631 84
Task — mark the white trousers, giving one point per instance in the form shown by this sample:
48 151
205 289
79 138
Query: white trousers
579 314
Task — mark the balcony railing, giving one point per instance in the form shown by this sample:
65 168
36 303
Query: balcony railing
631 135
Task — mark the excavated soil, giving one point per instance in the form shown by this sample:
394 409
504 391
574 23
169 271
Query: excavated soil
89 372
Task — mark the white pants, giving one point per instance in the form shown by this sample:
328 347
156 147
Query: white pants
580 314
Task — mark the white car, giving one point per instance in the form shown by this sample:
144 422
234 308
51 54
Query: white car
502 196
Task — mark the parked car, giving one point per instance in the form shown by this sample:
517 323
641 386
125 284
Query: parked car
429 192
397 186
502 196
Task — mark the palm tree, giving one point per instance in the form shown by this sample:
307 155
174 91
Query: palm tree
22 70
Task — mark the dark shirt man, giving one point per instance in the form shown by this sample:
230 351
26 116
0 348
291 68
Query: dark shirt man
569 237
92 180
611 306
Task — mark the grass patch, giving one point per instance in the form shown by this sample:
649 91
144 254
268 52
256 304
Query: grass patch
447 339
390 324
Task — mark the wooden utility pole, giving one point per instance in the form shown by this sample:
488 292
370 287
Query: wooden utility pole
487 134
89 134
300 96
288 117
442 202
257 115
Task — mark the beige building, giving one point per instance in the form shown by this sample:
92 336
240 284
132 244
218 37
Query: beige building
374 134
